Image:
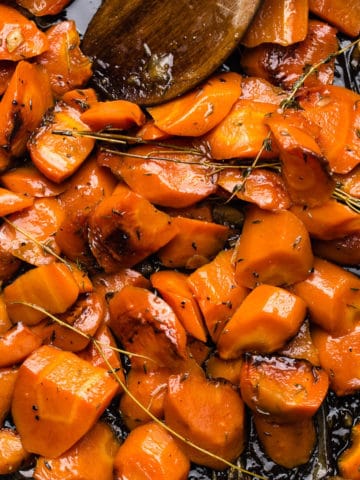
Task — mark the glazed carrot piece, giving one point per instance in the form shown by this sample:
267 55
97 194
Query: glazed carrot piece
175 290
287 444
332 295
9 264
40 8
198 350
302 164
125 228
146 325
151 452
345 16
349 460
7 383
200 410
58 397
11 202
59 156
66 65
216 291
350 182
198 111
80 98
91 458
107 284
149 388
329 220
163 175
29 181
301 346
51 287
278 21
282 388
149 131
242 132
260 90
22 106
339 357
217 368
16 344
120 114
263 187
343 251
85 315
195 244
19 37
264 321
81 277
287 65
12 452
274 248
336 111
5 322
7 68
31 229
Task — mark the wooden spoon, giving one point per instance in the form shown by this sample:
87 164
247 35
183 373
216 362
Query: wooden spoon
149 51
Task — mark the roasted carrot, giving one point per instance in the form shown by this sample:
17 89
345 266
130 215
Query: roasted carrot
80 98
198 111
339 357
282 388
258 89
7 68
345 16
58 397
343 251
349 460
11 202
66 65
274 248
40 8
175 290
9 264
5 322
20 38
209 414
91 457
149 131
195 244
301 346
149 388
120 114
151 452
198 350
29 231
51 287
215 289
229 370
12 452
146 325
278 21
125 228
7 383
332 296
16 344
164 176
264 321
59 156
287 444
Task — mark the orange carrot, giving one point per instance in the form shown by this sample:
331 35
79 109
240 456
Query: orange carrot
195 244
9 264
7 68
12 452
208 413
66 65
349 182
216 291
7 383
260 90
107 284
17 344
175 290
301 346
146 325
278 21
198 111
91 458
119 114
125 228
149 131
345 16
19 37
5 322
343 251
164 177
47 7
349 460
58 397
282 388
11 202
151 452
80 98
198 350
263 322
51 287
274 248
339 357
332 296
229 370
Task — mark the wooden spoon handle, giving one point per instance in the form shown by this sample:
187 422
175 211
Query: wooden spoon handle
150 51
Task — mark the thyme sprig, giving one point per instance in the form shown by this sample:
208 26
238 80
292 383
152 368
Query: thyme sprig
344 197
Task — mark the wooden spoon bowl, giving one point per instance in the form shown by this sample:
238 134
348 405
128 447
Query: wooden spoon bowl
149 51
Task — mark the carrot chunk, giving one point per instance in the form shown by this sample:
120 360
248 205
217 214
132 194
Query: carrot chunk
11 202
58 397
345 16
119 114
12 452
349 460
263 322
7 385
274 248
40 8
16 344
